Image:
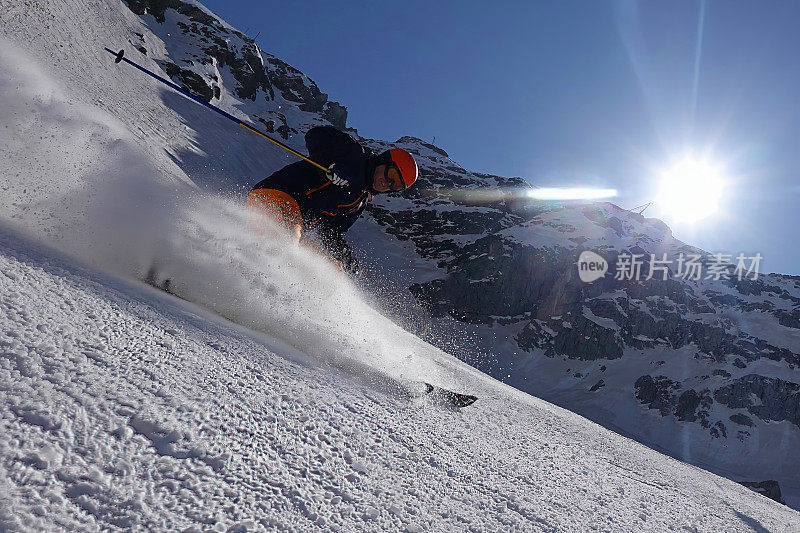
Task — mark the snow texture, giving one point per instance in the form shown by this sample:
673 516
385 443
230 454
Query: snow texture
126 407
280 398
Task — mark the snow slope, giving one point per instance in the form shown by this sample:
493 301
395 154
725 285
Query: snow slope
122 406
121 216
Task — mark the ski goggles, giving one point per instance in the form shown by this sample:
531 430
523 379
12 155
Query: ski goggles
395 179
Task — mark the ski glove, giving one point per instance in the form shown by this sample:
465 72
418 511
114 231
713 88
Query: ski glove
335 177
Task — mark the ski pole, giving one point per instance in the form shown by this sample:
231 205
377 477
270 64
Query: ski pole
120 56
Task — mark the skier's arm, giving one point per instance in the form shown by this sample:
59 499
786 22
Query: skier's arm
327 145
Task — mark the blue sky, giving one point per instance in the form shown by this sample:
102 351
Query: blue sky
601 93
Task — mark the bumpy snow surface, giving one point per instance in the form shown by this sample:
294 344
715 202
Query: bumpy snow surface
122 406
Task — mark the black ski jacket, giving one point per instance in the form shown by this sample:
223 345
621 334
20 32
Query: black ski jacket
325 207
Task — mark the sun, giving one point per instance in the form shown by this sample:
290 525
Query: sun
691 190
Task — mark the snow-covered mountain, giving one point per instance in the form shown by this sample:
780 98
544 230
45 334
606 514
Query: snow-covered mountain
705 370
126 407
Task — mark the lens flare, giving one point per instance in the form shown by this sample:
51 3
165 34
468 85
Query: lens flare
691 190
493 195
571 193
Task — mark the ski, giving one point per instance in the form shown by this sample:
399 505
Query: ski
456 399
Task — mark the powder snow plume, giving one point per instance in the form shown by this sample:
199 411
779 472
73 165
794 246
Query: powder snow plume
73 177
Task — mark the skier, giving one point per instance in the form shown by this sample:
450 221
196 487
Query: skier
307 200
304 197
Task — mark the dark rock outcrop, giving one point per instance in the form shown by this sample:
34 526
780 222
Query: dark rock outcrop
190 80
741 419
597 385
657 393
770 488
157 8
763 397
257 74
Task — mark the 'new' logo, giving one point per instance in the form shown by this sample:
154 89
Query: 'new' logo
591 266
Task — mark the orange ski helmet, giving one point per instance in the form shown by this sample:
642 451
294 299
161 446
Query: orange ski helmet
404 162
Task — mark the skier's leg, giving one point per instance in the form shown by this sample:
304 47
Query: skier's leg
273 205
337 249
